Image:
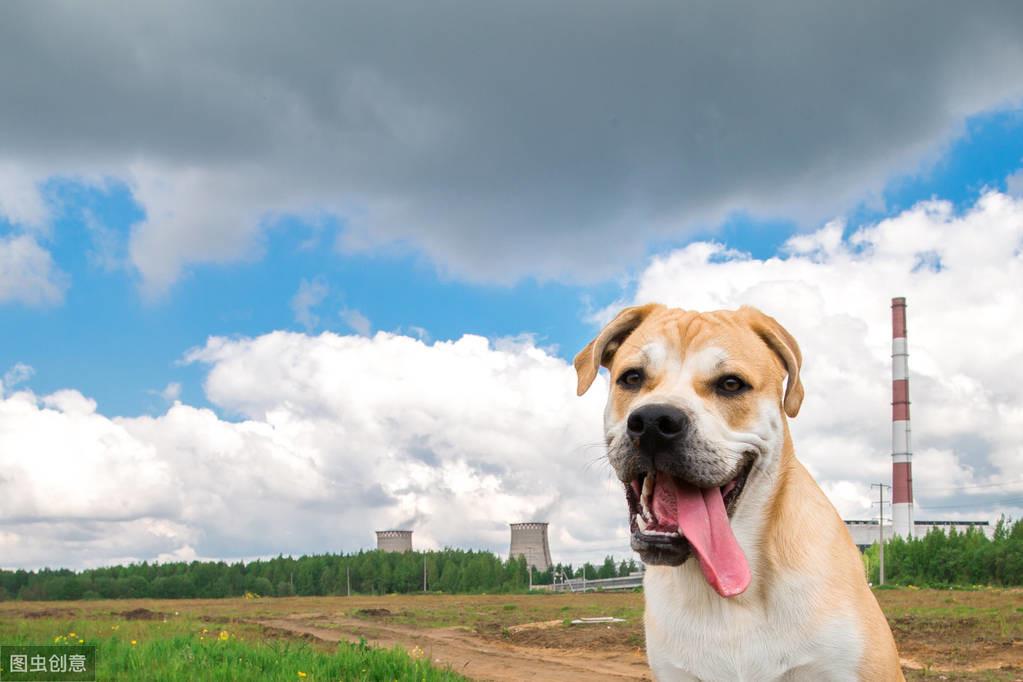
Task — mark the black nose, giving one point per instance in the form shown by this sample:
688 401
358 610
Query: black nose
657 426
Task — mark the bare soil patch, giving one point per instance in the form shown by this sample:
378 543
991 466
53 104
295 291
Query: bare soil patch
142 614
48 613
957 635
619 637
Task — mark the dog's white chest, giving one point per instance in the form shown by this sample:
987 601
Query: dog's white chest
693 633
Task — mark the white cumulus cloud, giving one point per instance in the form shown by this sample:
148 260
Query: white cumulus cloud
171 391
18 373
358 322
28 274
336 436
319 440
962 274
1014 183
309 295
21 202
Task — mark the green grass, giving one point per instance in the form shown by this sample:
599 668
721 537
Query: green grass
185 649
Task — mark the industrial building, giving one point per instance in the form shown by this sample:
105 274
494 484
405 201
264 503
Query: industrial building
866 533
394 540
530 540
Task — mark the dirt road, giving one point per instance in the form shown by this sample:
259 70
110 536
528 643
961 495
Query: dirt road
469 655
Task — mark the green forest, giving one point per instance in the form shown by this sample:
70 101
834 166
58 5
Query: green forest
936 560
945 560
367 572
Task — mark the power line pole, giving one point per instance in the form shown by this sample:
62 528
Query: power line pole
424 571
880 528
348 579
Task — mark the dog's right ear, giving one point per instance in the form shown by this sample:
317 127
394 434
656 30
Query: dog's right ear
601 350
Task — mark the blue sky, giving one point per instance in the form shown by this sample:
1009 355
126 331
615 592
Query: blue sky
122 347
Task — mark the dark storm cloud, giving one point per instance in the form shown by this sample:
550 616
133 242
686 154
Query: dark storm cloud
536 132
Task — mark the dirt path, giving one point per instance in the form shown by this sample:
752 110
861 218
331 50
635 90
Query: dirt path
469 655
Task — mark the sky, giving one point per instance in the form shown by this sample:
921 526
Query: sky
272 279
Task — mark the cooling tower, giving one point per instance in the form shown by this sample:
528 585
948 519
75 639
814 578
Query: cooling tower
902 456
394 540
530 541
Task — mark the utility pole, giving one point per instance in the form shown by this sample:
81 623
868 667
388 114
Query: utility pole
424 571
880 528
348 579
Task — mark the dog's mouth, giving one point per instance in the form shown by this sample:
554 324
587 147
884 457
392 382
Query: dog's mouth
672 519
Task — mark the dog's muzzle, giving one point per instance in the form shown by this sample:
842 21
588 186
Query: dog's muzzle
679 504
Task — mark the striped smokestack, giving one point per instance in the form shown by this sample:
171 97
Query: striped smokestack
902 456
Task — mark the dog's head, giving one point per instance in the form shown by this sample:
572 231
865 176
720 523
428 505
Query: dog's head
694 424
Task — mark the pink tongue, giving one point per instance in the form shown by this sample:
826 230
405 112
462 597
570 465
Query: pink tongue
703 520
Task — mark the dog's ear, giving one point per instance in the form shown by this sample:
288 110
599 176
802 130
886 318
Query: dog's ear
601 350
781 342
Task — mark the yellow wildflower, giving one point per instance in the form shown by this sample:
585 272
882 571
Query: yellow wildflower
133 642
71 634
223 635
81 641
301 674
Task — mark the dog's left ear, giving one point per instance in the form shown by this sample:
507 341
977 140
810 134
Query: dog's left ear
781 342
600 351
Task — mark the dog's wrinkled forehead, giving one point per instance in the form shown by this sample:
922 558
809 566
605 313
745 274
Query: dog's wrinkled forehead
684 355
677 339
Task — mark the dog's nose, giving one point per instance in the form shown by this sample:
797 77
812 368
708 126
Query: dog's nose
657 426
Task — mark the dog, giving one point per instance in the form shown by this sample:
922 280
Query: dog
751 574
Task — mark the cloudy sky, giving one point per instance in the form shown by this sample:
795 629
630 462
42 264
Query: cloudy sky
272 278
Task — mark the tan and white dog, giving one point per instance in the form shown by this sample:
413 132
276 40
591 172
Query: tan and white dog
751 574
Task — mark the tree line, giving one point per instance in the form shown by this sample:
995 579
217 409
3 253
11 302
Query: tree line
365 572
938 559
941 559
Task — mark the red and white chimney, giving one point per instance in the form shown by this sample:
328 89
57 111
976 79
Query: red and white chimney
902 456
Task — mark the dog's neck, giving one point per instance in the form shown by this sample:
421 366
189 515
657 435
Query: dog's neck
791 514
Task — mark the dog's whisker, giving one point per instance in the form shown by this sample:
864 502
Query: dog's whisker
586 448
589 465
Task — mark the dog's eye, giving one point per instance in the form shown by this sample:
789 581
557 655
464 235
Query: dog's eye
731 385
632 378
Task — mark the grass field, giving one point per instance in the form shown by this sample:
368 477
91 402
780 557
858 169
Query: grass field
942 635
136 643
